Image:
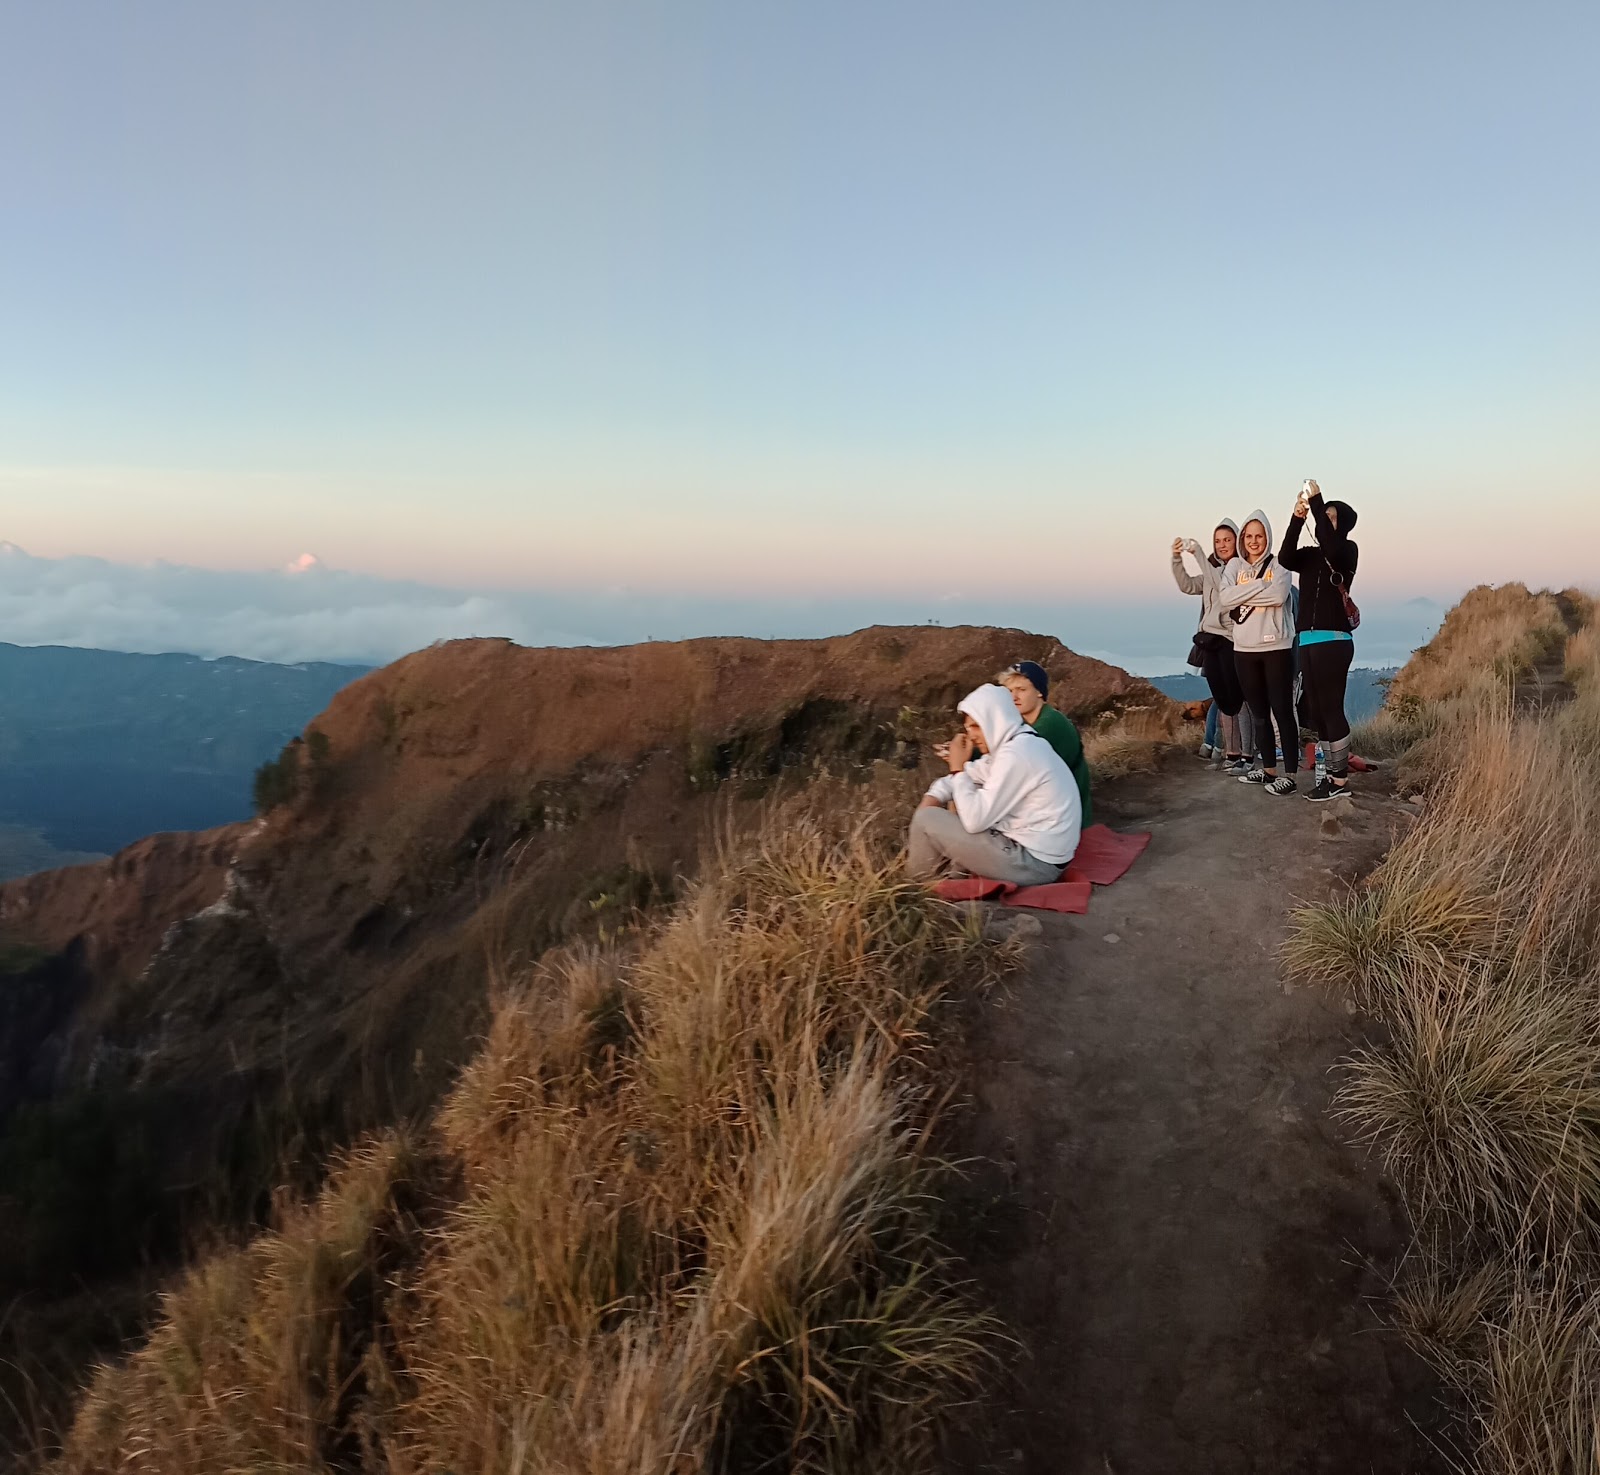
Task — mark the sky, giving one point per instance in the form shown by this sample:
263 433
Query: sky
716 317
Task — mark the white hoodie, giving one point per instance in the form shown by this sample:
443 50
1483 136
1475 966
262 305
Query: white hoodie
1020 787
1261 592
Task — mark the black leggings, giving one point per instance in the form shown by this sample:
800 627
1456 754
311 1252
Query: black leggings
1223 679
1325 666
1267 677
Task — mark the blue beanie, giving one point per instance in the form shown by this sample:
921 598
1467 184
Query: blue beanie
1036 674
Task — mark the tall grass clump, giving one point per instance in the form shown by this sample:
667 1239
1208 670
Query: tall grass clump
1583 656
676 1215
1130 743
1393 729
1477 944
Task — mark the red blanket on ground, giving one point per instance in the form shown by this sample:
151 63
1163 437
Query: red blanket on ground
1103 857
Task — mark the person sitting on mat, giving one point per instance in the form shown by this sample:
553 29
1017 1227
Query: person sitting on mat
1013 810
1029 685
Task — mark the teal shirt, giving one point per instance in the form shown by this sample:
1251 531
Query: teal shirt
1056 729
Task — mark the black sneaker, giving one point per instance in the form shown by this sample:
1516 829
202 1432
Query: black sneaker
1282 785
1235 766
1327 790
1253 776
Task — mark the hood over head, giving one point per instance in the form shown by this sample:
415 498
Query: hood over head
1347 515
1257 516
995 713
1233 528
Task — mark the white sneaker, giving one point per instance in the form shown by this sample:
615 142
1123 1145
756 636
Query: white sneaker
1206 752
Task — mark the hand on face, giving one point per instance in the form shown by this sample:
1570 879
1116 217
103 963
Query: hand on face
959 752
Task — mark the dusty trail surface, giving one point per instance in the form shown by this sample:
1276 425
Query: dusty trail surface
1181 1235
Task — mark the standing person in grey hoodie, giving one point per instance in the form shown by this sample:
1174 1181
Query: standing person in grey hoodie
1255 594
1215 634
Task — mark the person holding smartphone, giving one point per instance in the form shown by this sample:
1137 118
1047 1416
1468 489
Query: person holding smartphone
1214 638
1008 808
1255 595
1326 639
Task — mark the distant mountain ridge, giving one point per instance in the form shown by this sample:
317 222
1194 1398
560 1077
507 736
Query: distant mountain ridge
1363 696
99 748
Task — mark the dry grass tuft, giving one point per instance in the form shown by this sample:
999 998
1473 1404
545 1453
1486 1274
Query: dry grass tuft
260 1352
1374 942
1537 1384
1389 732
675 1216
1486 1104
1583 656
1130 743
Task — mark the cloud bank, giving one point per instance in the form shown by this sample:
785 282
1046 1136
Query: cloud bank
306 611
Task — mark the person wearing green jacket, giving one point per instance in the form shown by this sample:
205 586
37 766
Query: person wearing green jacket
1029 685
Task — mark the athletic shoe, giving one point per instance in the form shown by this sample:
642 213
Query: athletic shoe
1253 776
1206 752
1282 785
1327 790
1235 766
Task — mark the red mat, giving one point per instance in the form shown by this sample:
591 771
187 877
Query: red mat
1103 857
1057 896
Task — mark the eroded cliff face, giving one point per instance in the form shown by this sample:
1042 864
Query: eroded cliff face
268 989
118 910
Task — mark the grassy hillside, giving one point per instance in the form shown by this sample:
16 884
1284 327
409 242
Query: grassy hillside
676 1215
1477 944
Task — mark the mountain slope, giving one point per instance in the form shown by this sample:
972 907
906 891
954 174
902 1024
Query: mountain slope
253 995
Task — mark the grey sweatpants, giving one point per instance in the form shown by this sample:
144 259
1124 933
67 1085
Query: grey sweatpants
938 839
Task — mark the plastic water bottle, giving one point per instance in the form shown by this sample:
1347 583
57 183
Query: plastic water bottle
1322 765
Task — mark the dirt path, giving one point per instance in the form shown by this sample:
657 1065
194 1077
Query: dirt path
1173 1224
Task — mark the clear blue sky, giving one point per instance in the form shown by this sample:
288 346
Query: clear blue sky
752 299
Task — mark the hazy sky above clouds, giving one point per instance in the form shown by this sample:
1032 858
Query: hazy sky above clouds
306 611
875 307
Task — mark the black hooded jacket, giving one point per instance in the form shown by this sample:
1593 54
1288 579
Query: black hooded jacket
1321 608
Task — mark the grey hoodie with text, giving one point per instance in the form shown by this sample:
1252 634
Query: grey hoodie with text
1259 592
